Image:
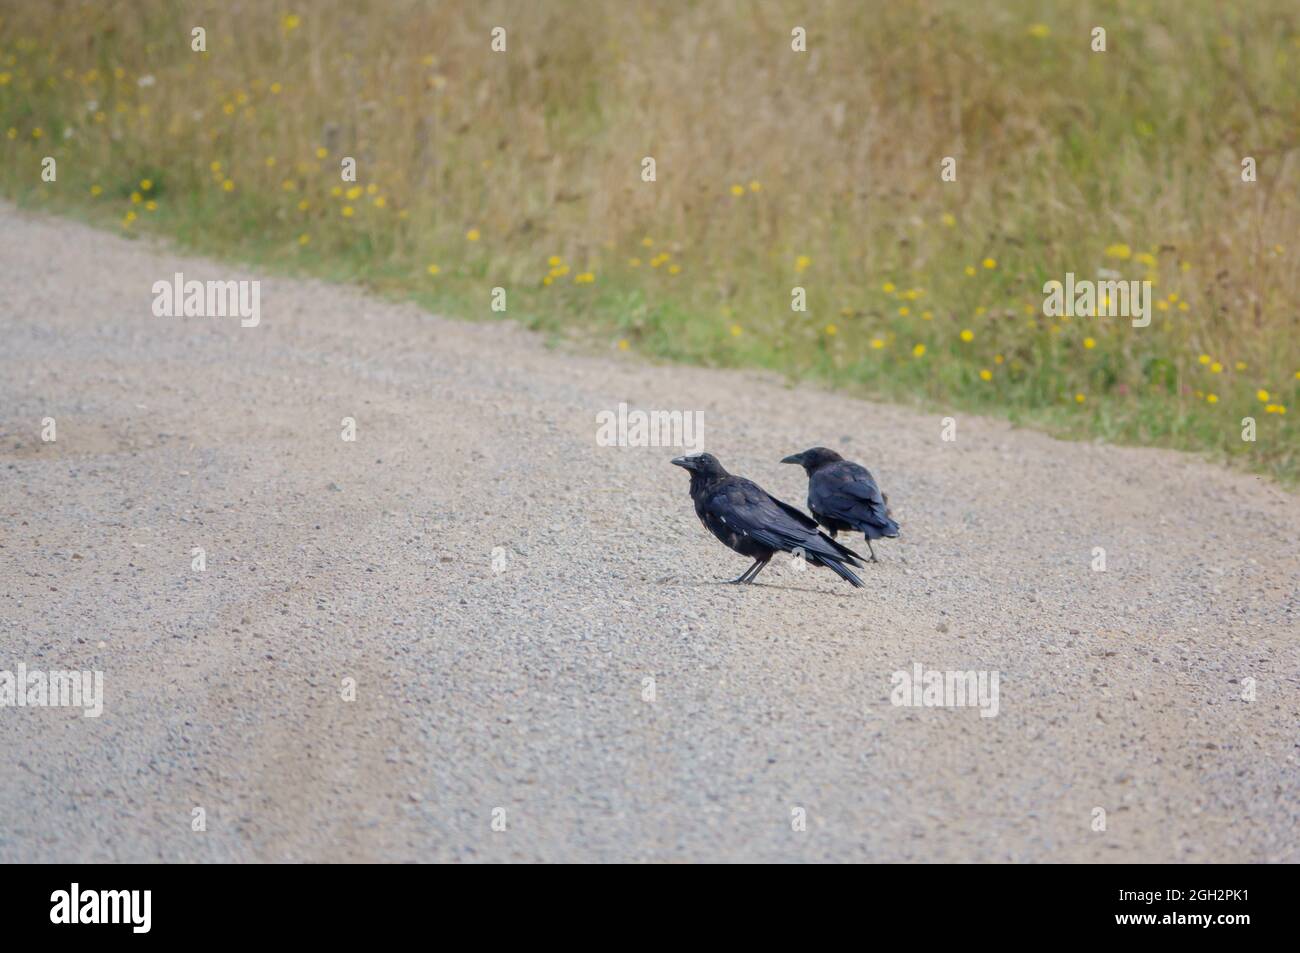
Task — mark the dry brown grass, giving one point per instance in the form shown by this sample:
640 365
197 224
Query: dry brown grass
1061 153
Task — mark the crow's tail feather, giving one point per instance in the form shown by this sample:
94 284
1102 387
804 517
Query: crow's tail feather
841 570
887 529
848 555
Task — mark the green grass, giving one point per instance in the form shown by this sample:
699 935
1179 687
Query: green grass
1063 154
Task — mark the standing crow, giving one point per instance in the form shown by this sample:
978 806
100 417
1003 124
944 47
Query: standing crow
746 518
844 496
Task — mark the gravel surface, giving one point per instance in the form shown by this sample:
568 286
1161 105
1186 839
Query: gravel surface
523 691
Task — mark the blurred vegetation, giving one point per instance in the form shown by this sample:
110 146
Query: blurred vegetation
775 169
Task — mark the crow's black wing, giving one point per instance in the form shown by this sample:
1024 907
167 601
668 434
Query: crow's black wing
747 509
797 513
848 492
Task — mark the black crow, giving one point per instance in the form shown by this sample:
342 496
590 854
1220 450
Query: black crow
843 496
755 524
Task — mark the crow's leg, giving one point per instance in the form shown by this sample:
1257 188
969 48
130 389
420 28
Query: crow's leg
761 564
871 549
744 576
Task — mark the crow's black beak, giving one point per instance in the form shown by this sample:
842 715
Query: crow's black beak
794 458
681 462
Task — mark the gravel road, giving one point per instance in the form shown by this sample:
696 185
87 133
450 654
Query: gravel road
519 695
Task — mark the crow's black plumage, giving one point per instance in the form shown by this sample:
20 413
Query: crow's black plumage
844 496
755 524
